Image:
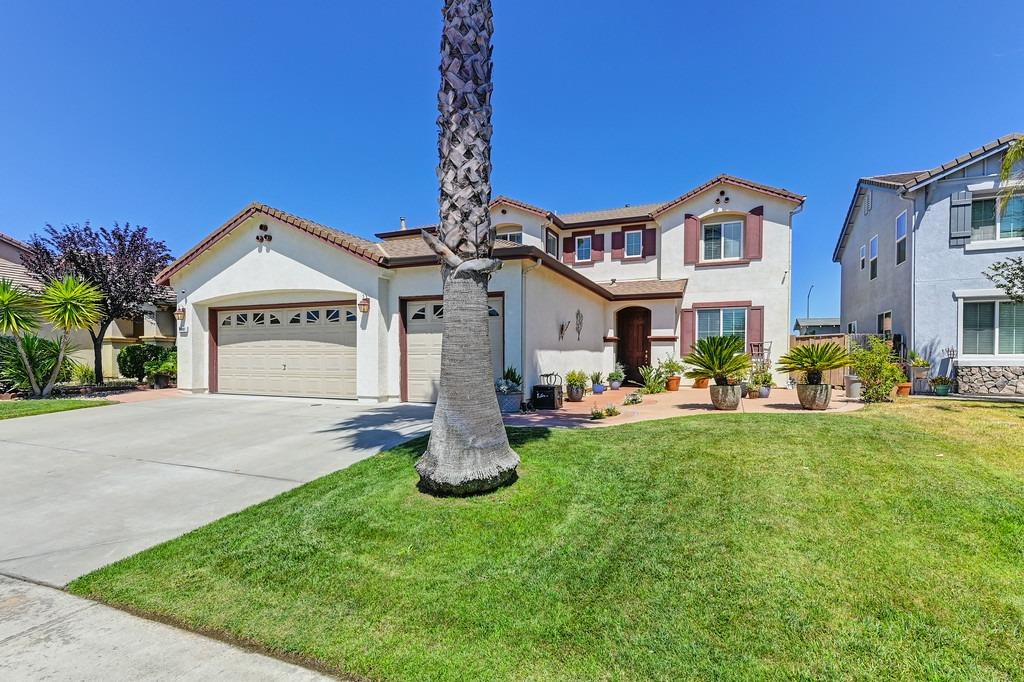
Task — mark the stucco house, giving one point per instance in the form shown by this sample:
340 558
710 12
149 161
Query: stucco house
913 249
155 325
276 304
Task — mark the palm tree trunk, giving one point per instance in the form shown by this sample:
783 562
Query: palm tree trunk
468 451
29 369
55 374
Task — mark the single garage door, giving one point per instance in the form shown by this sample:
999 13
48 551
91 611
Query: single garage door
423 325
302 351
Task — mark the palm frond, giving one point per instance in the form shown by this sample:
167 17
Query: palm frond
70 303
18 310
1010 177
718 358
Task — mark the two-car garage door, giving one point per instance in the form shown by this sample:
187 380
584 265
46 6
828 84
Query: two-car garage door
301 351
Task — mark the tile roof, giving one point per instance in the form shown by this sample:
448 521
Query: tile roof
739 182
984 149
631 211
645 287
892 179
17 273
413 246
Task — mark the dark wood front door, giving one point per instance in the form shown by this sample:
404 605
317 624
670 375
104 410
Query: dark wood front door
633 326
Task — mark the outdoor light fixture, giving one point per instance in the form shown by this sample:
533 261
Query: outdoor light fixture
179 314
364 305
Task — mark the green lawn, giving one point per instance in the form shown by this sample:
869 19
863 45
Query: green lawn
887 543
9 409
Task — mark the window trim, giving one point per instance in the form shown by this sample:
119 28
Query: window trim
590 248
507 236
851 327
880 328
983 357
724 258
721 310
863 256
999 219
625 243
896 234
551 243
873 260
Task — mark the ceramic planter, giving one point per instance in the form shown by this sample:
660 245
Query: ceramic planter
920 372
903 389
574 394
598 389
814 396
941 389
510 402
764 391
700 383
726 397
672 383
616 385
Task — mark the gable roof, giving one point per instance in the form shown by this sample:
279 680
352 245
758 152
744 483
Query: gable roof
816 322
738 182
16 243
928 176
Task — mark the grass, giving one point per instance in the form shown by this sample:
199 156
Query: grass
886 543
9 409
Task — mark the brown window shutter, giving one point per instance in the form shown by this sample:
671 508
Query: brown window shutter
688 330
568 250
618 245
597 248
650 242
691 240
753 234
755 325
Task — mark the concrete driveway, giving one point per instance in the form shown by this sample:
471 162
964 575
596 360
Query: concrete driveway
81 489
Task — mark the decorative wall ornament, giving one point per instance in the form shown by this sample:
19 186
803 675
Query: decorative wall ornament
579 324
562 328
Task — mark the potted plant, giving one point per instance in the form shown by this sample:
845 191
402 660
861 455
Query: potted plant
904 385
701 382
510 390
753 391
812 361
762 380
575 385
918 365
597 383
941 385
719 358
616 376
163 373
671 369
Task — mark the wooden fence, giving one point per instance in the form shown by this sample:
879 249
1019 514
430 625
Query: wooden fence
835 377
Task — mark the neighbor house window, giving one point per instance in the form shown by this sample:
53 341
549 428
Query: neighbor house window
583 248
722 322
863 257
551 244
516 237
989 222
851 328
874 257
885 324
901 238
723 241
993 328
634 244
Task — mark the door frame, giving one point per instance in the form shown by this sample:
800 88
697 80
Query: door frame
620 346
212 322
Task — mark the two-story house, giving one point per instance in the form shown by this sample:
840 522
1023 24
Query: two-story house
275 304
914 248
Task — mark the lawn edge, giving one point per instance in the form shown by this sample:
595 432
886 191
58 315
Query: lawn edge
97 402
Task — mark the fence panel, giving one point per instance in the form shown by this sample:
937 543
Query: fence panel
835 377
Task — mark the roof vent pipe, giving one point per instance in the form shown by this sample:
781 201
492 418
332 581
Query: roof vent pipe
401 223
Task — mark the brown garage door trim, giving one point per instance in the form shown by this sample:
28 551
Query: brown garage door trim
212 320
403 342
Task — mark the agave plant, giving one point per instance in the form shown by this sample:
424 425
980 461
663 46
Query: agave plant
68 305
814 359
718 358
31 351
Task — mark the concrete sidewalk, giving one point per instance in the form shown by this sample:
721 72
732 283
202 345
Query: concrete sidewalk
46 634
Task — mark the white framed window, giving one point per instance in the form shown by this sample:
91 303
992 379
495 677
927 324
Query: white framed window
296 318
901 238
722 241
225 320
874 258
583 251
634 244
988 222
993 328
851 327
551 243
350 315
863 257
516 237
312 316
438 310
333 316
722 322
259 318
273 319
241 319
420 313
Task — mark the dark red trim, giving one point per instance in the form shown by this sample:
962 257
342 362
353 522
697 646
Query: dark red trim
644 217
211 380
277 306
662 338
720 304
722 263
611 339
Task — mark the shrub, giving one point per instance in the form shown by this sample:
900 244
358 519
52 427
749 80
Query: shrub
42 356
762 377
131 361
653 379
510 382
576 379
83 374
719 358
877 369
942 381
596 412
916 360
611 411
168 366
814 359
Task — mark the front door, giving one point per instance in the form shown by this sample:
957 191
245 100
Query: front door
634 350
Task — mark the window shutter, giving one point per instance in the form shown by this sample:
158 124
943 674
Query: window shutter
960 215
755 325
688 331
618 245
691 240
650 242
568 250
753 234
597 248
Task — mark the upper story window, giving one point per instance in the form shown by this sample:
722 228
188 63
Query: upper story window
722 322
988 222
551 243
634 244
723 241
863 257
583 245
901 238
993 328
874 257
885 324
516 237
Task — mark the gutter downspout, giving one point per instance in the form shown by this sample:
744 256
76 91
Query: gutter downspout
522 319
788 273
912 230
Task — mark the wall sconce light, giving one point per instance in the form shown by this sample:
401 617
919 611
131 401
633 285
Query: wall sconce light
364 305
179 314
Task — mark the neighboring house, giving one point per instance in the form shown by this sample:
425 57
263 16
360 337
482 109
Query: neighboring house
913 250
156 325
276 304
814 326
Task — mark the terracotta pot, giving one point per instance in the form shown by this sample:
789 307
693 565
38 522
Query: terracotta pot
700 383
753 392
903 389
574 394
814 396
672 383
726 397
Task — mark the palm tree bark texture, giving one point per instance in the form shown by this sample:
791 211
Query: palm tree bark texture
468 451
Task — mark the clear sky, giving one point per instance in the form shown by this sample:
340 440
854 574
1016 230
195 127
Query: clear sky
175 115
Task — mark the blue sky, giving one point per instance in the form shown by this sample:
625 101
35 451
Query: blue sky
174 115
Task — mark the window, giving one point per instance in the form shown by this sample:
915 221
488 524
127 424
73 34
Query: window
583 248
874 257
226 322
420 314
312 316
296 318
350 315
491 312
983 219
721 322
885 324
333 315
851 328
274 319
516 237
1011 222
993 328
901 238
989 222
551 244
258 318
241 319
634 244
1011 328
439 311
863 257
723 241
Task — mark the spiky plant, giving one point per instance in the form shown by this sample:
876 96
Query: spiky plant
468 450
37 353
19 316
814 359
1010 176
718 358
68 304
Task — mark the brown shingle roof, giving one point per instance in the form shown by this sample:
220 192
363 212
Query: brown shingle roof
645 287
930 174
621 213
733 180
892 179
17 273
16 243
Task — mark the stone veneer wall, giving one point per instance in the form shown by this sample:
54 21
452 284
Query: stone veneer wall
990 380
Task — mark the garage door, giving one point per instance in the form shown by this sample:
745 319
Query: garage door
424 320
305 351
